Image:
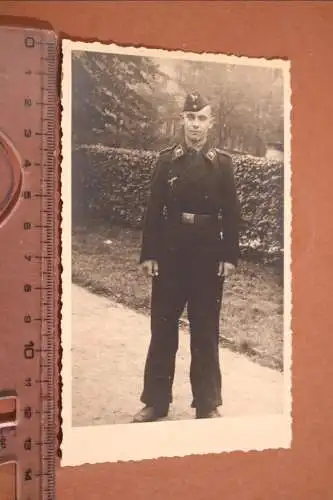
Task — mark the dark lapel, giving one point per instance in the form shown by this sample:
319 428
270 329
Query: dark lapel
192 167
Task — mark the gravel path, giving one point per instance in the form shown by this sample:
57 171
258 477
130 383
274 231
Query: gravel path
109 347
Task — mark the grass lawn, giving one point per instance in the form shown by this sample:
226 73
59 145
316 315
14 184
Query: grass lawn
252 310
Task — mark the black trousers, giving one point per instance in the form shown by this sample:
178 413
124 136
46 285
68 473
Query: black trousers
185 278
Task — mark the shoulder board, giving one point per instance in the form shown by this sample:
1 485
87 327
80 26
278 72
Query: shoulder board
167 150
176 151
224 153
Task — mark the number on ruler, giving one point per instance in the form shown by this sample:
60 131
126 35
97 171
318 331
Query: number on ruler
26 195
29 350
28 382
28 475
3 443
27 132
28 102
27 412
27 288
27 163
27 226
28 444
29 42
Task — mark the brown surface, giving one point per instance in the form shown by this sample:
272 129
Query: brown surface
7 481
303 33
7 410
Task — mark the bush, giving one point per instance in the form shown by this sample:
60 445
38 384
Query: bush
112 185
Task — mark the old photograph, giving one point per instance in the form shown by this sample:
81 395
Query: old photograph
176 253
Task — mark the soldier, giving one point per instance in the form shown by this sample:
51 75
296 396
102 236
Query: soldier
189 246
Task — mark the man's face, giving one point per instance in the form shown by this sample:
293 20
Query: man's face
197 124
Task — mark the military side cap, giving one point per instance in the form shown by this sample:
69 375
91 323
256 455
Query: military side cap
194 102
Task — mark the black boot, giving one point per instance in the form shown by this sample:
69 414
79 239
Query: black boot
149 414
208 414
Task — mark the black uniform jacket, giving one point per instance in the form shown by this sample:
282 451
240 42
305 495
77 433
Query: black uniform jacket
196 183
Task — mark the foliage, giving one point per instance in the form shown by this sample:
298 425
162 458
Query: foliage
113 99
247 100
136 102
112 185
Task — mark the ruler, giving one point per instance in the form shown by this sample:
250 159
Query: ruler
29 248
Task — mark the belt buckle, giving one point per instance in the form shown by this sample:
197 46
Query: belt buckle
188 218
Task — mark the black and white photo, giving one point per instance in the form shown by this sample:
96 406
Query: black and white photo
176 237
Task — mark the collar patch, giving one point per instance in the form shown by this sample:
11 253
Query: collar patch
179 151
211 154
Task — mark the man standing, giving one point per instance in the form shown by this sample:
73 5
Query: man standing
190 244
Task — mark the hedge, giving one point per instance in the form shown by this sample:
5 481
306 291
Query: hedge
112 185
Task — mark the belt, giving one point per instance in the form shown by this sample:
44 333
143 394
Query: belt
198 219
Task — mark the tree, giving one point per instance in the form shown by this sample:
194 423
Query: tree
248 102
112 99
135 102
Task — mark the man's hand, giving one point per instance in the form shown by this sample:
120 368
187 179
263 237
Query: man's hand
226 269
150 267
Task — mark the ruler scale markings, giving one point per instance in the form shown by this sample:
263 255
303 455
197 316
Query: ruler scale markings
50 346
44 348
45 438
31 66
29 466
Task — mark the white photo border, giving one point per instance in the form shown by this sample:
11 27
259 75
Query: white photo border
128 442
